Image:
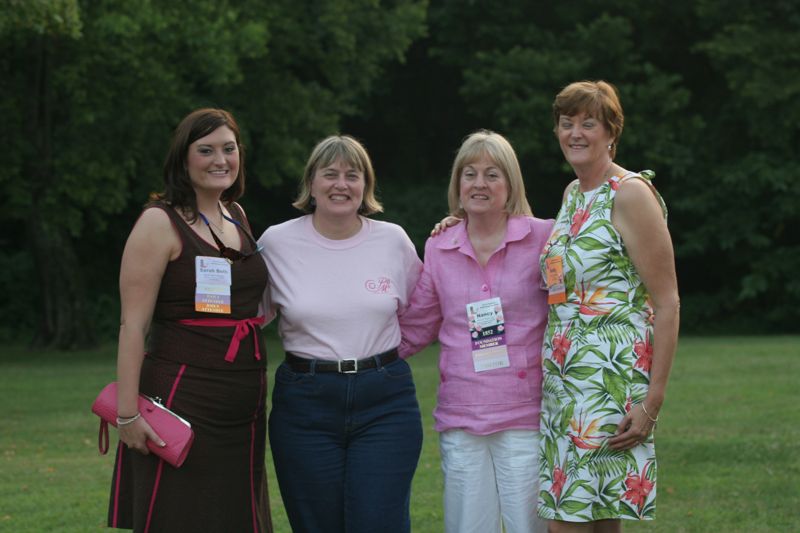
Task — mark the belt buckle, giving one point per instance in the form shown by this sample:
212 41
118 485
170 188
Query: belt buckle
354 369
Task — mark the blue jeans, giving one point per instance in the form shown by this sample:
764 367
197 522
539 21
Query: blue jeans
345 448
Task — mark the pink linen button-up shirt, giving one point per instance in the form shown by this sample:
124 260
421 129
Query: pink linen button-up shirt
493 400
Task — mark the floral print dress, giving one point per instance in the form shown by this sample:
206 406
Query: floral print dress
596 359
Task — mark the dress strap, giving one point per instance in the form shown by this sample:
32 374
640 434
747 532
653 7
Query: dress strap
646 176
186 234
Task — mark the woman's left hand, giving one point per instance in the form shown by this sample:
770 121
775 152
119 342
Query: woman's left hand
634 429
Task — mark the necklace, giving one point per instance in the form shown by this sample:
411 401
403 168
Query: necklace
606 175
222 220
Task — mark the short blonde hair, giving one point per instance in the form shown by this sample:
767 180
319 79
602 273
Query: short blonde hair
330 150
499 150
598 99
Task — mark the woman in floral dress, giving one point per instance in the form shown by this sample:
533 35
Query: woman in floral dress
612 326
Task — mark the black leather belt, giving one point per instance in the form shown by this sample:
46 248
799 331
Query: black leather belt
343 366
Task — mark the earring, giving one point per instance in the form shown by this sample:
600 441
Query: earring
312 202
610 145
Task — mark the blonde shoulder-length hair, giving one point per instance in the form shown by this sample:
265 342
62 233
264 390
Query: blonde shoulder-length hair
328 151
499 150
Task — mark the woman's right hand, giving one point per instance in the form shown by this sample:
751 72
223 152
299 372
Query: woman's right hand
445 223
136 435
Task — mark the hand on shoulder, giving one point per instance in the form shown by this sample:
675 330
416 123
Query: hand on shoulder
443 224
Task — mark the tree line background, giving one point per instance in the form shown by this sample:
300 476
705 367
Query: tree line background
90 91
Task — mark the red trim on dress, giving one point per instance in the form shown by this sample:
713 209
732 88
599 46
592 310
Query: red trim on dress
161 461
153 496
253 497
243 329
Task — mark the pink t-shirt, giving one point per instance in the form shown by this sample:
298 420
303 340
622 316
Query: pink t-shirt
338 299
502 398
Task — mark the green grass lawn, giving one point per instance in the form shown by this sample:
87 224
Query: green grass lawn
728 440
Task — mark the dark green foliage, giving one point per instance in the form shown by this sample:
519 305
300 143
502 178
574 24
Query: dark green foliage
710 91
90 91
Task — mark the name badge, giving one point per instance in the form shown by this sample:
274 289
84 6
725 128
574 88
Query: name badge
556 290
212 292
488 332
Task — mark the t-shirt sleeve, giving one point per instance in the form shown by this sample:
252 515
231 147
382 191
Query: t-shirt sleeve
412 268
266 307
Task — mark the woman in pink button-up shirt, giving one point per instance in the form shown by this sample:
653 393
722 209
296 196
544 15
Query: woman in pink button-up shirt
487 411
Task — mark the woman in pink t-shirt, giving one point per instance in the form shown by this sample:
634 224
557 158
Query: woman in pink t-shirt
345 428
481 295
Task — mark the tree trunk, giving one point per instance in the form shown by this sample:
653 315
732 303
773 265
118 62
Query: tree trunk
64 322
64 317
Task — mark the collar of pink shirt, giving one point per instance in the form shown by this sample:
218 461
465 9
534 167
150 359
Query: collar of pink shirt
456 237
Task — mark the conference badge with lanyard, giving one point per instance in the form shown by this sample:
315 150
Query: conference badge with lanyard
487 331
556 290
554 264
212 285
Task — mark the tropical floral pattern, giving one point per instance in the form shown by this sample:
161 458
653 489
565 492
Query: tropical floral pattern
597 353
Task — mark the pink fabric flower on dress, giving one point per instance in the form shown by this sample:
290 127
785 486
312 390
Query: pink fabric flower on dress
639 487
579 219
559 478
561 345
644 353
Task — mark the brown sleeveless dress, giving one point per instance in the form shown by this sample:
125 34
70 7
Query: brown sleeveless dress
222 485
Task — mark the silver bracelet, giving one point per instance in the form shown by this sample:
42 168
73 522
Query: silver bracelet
128 420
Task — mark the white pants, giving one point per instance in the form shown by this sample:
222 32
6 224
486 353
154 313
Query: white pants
491 480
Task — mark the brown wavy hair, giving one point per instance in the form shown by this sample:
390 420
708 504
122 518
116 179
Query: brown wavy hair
178 190
598 99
